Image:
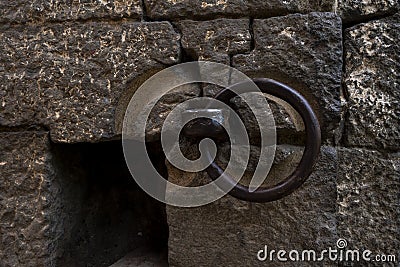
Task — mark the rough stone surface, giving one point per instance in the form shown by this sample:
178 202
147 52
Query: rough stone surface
368 200
68 205
305 52
230 232
371 80
358 10
69 68
69 77
20 11
215 40
26 200
161 109
173 9
288 123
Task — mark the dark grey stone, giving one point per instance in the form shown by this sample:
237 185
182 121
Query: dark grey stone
70 77
69 205
289 125
21 11
371 80
358 10
26 197
304 52
368 200
230 232
215 40
160 110
235 8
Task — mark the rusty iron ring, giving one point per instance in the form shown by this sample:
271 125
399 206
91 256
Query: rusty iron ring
310 154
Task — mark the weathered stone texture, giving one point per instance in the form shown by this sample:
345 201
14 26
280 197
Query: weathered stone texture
372 76
230 232
20 11
160 109
305 52
368 200
69 77
288 123
26 197
173 9
215 40
59 208
312 41
357 10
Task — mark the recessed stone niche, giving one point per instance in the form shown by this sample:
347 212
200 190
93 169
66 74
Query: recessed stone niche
103 214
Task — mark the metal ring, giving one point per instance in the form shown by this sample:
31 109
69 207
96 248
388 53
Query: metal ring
310 154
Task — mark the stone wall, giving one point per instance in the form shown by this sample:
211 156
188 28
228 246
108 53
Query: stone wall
68 68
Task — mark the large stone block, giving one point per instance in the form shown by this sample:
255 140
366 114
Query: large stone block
230 232
358 10
304 52
27 237
69 77
372 75
21 11
215 40
288 124
234 8
368 200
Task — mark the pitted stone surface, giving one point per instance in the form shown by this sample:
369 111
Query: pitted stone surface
215 40
72 66
357 10
372 78
368 200
175 9
69 77
20 11
230 232
304 52
289 125
27 176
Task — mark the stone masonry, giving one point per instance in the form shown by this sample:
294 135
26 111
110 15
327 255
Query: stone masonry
69 68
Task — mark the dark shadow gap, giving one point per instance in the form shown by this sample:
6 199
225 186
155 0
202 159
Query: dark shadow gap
103 214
